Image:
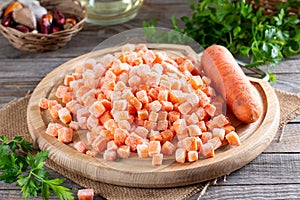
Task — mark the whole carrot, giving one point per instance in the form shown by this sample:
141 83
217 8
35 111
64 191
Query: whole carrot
231 82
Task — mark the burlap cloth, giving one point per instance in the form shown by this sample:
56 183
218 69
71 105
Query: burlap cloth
13 122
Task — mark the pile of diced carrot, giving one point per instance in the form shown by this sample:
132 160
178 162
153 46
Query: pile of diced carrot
143 102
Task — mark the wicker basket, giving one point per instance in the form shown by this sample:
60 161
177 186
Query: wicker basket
37 42
270 6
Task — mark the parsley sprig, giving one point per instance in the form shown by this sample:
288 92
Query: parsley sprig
21 166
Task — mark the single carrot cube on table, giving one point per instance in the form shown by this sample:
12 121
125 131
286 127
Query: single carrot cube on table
85 194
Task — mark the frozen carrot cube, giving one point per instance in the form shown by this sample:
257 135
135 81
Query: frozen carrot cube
155 136
153 93
123 151
120 86
162 125
210 109
120 136
82 122
194 130
83 112
141 131
74 125
184 108
134 81
186 65
177 96
154 148
221 120
148 56
108 134
92 122
153 116
142 96
192 119
52 103
97 109
167 105
180 155
165 84
142 150
100 143
120 105
203 98
207 150
110 124
163 95
176 85
43 103
73 106
124 124
206 136
65 135
106 103
199 143
109 155
53 111
218 132
157 159
143 114
202 126
196 82
61 91
136 103
168 148
155 106
173 116
91 136
80 146
216 142
121 115
111 145
179 126
105 117
192 99
52 129
150 125
201 113
162 115
189 143
68 78
167 135
85 194
92 153
228 128
133 140
192 156
118 67
233 138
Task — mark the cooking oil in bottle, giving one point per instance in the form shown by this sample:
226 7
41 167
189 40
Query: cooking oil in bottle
109 12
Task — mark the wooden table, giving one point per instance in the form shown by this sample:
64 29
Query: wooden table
275 174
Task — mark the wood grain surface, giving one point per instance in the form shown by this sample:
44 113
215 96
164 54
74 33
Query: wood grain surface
275 174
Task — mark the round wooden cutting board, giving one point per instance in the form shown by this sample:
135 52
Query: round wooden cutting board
137 172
